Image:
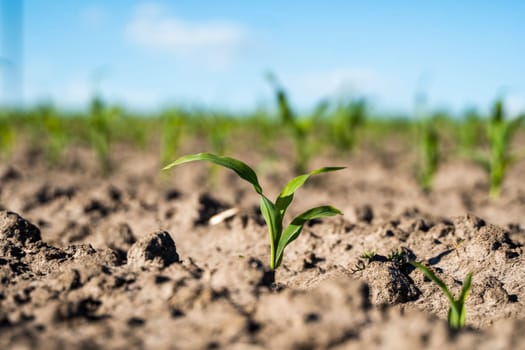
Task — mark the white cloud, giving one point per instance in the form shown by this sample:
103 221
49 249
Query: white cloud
213 42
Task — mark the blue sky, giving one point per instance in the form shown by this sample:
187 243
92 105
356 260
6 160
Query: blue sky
148 55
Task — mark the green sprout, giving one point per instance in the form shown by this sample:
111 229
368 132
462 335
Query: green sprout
398 257
369 254
347 120
273 212
428 140
298 129
457 313
100 133
499 133
429 153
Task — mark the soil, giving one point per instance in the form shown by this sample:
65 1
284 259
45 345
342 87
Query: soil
130 260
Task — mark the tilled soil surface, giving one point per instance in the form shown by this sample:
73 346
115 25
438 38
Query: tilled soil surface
130 260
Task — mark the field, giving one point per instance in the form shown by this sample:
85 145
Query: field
101 248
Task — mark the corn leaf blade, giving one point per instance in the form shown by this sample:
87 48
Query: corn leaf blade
462 317
430 275
286 196
272 217
241 168
295 227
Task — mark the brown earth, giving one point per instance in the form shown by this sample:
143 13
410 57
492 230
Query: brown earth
130 260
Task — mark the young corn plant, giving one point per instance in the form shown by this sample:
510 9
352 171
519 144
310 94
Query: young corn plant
348 118
499 135
428 140
429 154
273 212
100 133
457 313
298 129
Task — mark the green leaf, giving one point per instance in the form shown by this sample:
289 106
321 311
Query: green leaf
272 217
286 195
454 317
457 311
466 288
241 168
294 229
435 279
275 225
462 298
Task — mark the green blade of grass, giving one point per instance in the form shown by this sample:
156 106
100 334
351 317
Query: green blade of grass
241 168
294 229
286 195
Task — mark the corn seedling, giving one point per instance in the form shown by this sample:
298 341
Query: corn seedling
499 134
429 154
457 313
298 129
348 118
100 133
273 212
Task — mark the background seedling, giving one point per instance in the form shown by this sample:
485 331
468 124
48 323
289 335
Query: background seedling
368 254
398 257
429 154
347 119
457 313
499 134
100 133
289 120
428 140
273 212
